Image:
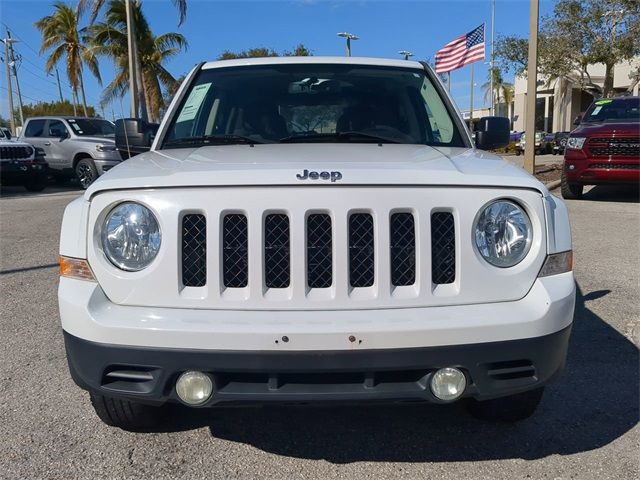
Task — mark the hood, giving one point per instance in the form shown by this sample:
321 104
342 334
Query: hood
106 140
14 143
278 164
609 128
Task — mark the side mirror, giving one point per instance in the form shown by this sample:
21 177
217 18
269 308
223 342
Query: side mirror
134 136
577 121
492 133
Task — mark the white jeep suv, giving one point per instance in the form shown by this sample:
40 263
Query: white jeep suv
314 230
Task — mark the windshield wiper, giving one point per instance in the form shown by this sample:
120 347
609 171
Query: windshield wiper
211 140
339 136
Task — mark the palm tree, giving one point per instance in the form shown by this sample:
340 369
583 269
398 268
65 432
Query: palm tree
61 35
110 39
497 86
96 6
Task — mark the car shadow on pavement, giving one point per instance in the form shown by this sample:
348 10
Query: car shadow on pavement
613 193
594 402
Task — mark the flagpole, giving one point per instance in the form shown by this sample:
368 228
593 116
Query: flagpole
493 22
471 107
449 81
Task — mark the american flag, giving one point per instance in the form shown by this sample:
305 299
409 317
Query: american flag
466 49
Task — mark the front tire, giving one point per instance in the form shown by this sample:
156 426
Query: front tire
125 414
37 185
570 191
86 172
513 408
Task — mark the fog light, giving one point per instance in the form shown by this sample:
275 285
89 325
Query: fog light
194 388
448 383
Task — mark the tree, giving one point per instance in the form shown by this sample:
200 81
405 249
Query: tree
96 6
52 108
580 33
110 40
299 51
62 36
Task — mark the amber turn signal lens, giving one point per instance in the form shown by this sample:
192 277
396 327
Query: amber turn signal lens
557 263
75 268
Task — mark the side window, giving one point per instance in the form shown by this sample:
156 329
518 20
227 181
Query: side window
439 118
35 128
57 129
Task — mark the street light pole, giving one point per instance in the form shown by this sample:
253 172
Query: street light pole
532 81
493 22
349 37
406 54
15 74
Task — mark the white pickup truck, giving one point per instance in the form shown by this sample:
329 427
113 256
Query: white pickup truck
314 230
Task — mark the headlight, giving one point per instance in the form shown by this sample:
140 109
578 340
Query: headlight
131 236
105 148
503 233
575 142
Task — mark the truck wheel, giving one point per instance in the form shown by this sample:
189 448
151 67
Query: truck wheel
86 172
517 153
125 414
35 185
513 408
570 191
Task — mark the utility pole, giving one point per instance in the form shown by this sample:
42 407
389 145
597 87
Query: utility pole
493 22
15 74
532 87
133 84
59 87
12 121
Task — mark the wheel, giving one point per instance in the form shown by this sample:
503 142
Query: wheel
36 185
517 153
125 414
513 408
570 191
86 172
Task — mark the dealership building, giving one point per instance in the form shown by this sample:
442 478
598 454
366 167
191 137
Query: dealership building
560 101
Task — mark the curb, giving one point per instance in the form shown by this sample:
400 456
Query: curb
552 185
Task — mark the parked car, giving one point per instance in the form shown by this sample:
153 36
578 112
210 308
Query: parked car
542 144
315 230
21 164
559 142
78 147
604 148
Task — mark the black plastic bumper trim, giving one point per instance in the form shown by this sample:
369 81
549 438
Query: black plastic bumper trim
493 369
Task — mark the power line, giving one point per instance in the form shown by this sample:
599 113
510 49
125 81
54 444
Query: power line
25 96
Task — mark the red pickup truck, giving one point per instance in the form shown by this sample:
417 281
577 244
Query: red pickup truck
604 148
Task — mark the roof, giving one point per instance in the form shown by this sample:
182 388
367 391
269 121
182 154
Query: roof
66 117
381 62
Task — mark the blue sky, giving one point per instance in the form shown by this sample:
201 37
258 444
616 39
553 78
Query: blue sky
212 26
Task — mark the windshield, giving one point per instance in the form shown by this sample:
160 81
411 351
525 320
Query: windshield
312 103
614 109
92 127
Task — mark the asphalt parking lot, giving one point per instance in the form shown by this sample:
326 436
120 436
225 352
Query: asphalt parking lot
586 427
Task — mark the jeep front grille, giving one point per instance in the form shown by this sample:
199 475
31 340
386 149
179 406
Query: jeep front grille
443 248
319 238
361 250
235 251
194 250
277 260
319 255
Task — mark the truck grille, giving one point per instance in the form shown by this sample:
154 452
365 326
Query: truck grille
17 152
623 147
319 250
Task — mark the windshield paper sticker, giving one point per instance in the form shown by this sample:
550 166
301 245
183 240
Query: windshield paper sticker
596 110
603 102
192 105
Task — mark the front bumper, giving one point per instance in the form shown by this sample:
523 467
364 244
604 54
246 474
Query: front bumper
104 165
382 354
582 168
19 172
148 375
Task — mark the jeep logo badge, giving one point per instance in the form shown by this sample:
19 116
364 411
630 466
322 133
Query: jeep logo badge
311 175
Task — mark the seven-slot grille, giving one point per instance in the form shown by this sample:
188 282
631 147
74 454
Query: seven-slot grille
362 269
15 152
